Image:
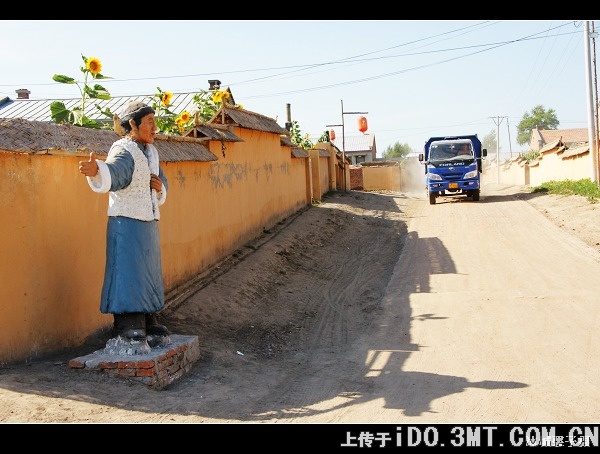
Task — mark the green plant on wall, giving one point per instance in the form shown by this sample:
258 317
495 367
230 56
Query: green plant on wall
297 138
167 122
58 111
530 155
206 106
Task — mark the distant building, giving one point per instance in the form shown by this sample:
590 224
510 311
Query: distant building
358 149
569 137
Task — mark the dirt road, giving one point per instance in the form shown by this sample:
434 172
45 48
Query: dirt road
374 308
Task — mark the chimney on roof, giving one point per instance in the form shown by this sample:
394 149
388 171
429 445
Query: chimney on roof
288 123
214 84
22 93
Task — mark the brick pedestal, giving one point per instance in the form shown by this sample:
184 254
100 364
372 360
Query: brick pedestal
156 369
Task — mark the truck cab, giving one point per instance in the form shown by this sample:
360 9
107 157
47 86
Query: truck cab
453 166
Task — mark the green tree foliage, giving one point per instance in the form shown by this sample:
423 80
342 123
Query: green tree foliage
397 151
489 142
324 137
538 116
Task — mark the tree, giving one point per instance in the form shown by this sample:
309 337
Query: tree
489 142
397 151
539 116
324 137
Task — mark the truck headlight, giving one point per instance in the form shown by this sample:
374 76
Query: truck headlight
471 174
434 176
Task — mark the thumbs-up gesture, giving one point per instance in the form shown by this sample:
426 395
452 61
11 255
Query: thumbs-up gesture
89 168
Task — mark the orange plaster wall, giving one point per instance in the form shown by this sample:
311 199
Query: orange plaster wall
53 230
380 178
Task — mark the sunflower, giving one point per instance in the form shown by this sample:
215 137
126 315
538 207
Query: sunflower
165 98
93 65
218 96
185 116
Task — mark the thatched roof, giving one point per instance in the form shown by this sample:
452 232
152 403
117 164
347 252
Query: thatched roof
298 152
286 140
244 118
576 151
38 137
215 132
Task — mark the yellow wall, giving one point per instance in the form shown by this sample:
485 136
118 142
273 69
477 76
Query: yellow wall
53 232
384 177
552 166
336 174
580 165
323 176
511 172
214 208
320 172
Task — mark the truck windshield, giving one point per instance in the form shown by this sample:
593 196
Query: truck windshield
443 152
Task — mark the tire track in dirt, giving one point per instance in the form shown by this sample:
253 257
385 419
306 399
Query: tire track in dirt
352 291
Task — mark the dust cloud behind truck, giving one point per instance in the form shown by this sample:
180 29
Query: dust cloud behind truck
453 166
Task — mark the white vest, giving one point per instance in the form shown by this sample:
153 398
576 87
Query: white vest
138 200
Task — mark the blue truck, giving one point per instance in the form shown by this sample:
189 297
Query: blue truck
453 166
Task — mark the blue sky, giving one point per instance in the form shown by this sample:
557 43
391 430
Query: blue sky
415 78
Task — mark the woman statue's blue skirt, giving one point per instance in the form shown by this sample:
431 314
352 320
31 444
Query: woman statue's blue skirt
133 279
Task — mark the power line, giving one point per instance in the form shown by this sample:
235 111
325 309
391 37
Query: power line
354 59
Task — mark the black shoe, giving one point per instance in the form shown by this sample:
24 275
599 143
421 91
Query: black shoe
154 328
134 334
130 325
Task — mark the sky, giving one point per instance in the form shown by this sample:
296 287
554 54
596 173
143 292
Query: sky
411 79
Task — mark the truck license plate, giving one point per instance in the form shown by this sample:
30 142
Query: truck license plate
453 185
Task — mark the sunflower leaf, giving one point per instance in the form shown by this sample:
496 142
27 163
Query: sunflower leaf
63 79
59 112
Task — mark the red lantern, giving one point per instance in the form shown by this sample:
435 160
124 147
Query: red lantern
362 124
331 134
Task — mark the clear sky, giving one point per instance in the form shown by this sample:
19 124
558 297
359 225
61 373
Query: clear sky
415 78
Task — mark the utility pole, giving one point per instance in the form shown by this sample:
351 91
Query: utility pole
591 107
497 123
509 141
594 35
344 140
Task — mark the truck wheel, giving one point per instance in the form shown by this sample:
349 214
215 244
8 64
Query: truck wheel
432 198
476 195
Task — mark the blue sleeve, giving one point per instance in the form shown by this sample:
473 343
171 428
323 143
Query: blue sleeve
120 165
163 178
